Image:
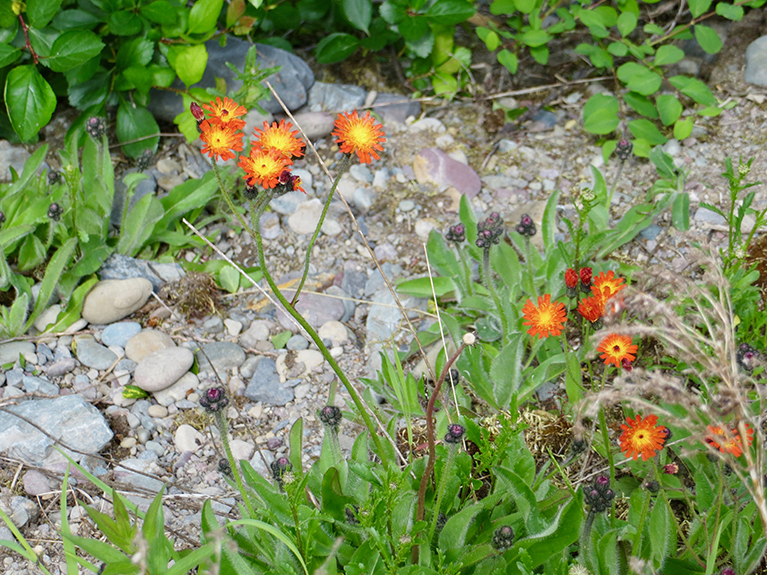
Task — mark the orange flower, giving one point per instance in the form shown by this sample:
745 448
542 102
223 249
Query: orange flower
361 135
615 348
221 140
280 138
592 307
729 441
606 286
546 319
263 168
642 437
226 112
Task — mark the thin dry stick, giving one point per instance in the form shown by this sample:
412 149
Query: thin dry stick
239 269
362 235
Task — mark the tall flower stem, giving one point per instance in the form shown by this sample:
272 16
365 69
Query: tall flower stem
441 489
223 431
612 188
341 171
427 473
255 233
490 286
530 276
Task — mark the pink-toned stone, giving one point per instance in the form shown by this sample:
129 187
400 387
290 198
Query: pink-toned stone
432 165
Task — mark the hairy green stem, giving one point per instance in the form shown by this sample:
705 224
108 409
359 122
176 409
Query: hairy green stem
490 286
638 535
530 276
466 271
344 166
612 189
442 487
223 431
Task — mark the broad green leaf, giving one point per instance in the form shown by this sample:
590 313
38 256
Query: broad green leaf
135 52
683 128
639 78
133 123
508 60
40 12
627 22
335 48
190 63
139 225
668 54
159 12
506 370
524 6
698 7
600 58
617 49
421 287
680 212
489 37
729 11
646 129
60 260
72 49
708 39
503 7
662 533
31 253
534 38
595 23
229 278
31 166
124 23
693 88
358 13
203 16
29 99
8 55
600 114
711 111
669 108
135 77
641 104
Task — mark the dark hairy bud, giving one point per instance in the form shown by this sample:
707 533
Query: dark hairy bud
454 433
214 399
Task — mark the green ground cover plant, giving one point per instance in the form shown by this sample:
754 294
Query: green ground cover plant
650 458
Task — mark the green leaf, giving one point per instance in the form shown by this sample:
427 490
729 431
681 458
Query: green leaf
8 55
489 37
693 88
421 287
646 129
680 212
203 16
639 78
525 6
31 253
600 58
595 23
698 7
668 54
710 111
502 7
669 108
600 114
72 49
135 52
708 39
729 11
280 339
617 49
641 104
683 128
190 63
139 225
124 23
40 12
60 260
229 278
627 22
508 60
133 123
662 533
335 48
506 370
159 12
29 99
358 13
534 38
450 12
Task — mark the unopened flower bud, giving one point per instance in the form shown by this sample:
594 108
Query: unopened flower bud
503 538
96 127
454 433
54 212
214 399
54 176
652 486
330 415
197 112
671 469
623 150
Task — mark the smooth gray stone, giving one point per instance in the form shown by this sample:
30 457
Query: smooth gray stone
119 267
119 333
336 97
265 385
756 62
396 108
223 354
69 417
93 354
9 352
291 82
143 188
33 384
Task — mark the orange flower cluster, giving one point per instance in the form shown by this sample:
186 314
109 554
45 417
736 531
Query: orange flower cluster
642 437
275 146
617 349
546 319
729 441
604 287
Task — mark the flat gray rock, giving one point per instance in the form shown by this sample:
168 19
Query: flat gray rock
291 82
224 355
396 108
265 385
70 418
162 368
119 333
756 62
9 352
119 267
93 354
335 97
